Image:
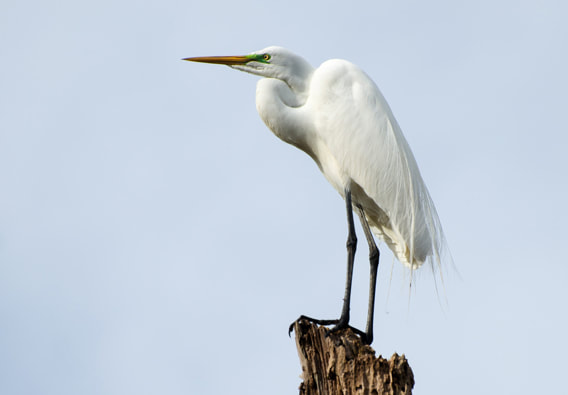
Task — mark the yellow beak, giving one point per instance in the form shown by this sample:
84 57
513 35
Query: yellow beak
228 60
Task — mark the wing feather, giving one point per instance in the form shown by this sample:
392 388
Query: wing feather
359 143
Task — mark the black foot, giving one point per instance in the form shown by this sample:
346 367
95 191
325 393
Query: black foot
336 328
310 319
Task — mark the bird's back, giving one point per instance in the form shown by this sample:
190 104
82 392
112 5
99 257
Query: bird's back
359 143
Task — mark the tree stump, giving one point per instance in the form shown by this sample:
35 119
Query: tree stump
339 363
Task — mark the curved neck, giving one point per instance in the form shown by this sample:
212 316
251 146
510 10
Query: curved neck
279 106
299 83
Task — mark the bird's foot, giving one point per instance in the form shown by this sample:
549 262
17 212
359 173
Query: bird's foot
310 319
338 326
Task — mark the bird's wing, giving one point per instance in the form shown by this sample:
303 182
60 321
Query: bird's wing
360 144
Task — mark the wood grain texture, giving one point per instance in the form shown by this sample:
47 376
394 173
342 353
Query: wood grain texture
339 363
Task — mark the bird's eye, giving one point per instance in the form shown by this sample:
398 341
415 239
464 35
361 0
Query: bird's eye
266 57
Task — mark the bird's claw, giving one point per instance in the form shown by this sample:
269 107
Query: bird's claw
291 328
339 326
310 319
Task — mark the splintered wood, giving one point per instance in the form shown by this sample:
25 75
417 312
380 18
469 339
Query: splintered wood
340 364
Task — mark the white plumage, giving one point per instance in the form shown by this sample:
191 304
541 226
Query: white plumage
338 116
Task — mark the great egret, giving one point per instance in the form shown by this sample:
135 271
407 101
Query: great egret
338 116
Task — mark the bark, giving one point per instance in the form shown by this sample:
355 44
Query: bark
339 363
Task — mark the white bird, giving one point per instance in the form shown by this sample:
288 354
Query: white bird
338 116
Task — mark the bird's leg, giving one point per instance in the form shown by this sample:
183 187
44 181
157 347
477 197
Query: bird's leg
351 247
343 321
374 260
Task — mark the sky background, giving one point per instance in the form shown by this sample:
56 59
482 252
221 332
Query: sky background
156 238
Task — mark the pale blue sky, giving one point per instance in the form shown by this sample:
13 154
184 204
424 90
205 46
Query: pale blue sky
155 237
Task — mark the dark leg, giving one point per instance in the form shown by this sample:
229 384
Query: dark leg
343 321
351 247
374 260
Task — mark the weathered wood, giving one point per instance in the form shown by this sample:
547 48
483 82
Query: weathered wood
339 363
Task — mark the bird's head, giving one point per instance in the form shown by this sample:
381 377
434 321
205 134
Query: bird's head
271 62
